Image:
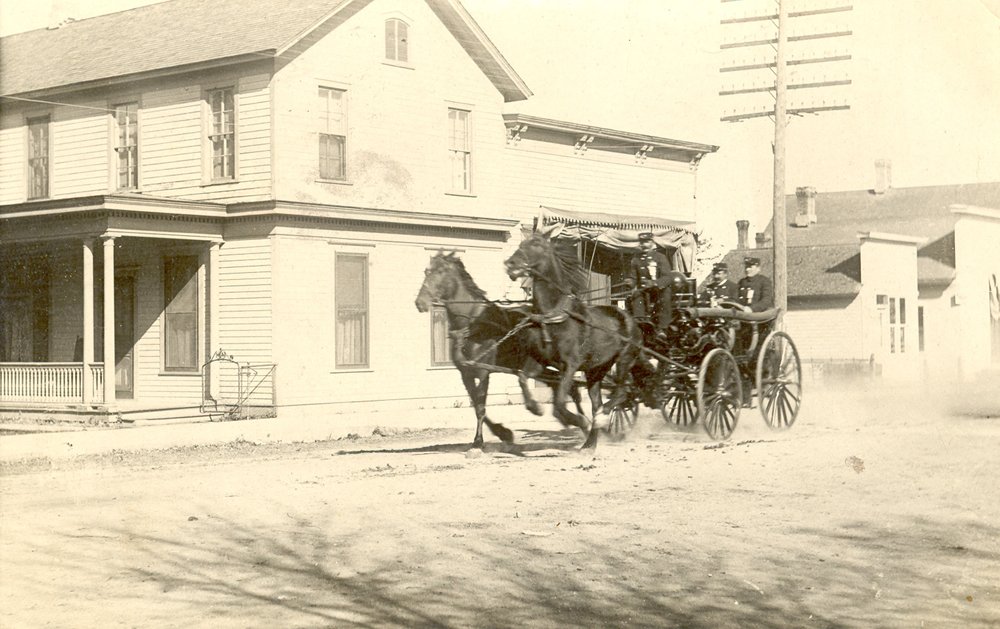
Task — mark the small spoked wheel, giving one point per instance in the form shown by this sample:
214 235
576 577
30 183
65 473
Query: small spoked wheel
779 381
621 418
679 407
719 394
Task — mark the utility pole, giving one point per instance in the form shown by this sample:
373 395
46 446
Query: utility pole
778 86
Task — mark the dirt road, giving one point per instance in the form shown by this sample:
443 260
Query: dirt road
869 513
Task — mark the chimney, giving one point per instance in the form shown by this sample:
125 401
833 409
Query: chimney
742 229
761 240
805 213
883 176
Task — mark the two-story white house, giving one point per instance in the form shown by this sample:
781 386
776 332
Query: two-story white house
268 180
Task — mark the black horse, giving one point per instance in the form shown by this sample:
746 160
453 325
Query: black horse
575 337
478 328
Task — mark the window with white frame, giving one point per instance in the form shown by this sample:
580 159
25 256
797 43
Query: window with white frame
180 313
440 340
892 322
38 157
127 145
332 134
459 150
222 132
397 40
351 304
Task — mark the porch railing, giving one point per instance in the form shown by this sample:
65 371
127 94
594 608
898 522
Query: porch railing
48 382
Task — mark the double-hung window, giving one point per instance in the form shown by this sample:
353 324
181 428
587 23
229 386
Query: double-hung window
222 133
38 157
459 150
180 313
351 304
397 40
332 134
127 145
892 321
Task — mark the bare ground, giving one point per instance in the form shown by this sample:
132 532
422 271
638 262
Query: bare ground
872 511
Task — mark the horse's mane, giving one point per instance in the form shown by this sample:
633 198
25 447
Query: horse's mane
574 275
463 274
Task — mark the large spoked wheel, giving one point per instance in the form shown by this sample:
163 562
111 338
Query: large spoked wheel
622 407
678 406
621 418
719 394
779 381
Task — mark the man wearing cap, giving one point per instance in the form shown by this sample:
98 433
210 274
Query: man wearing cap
720 288
756 293
650 272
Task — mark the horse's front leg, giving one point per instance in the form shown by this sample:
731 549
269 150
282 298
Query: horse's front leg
530 369
499 430
478 403
559 409
594 388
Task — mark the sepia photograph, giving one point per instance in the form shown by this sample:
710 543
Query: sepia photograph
499 314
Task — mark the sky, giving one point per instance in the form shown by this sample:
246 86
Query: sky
925 89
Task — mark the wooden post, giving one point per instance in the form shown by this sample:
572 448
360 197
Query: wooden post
778 215
109 321
88 319
213 318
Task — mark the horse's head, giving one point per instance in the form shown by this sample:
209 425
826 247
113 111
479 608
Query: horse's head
530 258
441 279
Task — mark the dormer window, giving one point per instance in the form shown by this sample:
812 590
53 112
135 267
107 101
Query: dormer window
397 38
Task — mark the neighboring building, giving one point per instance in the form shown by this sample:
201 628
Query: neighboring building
895 279
269 179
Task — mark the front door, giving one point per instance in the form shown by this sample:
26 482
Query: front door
124 336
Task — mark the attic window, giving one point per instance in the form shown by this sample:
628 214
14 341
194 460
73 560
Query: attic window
397 40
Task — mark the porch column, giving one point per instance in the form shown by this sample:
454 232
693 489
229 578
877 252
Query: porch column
88 318
109 320
213 317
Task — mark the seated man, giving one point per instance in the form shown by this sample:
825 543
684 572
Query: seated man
650 275
720 288
755 291
756 295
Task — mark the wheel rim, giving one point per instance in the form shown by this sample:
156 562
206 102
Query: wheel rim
779 381
679 407
719 394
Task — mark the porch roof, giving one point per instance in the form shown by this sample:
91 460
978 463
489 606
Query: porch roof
118 215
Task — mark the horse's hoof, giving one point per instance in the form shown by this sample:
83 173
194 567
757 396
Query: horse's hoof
535 409
591 443
505 435
478 443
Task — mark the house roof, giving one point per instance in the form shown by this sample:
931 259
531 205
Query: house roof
813 271
824 258
184 34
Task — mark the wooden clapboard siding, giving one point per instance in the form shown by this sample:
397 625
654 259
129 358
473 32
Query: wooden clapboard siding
399 336
245 287
397 119
79 158
538 173
826 328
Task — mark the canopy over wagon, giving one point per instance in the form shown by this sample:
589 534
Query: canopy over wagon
606 242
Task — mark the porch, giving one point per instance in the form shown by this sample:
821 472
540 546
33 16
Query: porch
108 320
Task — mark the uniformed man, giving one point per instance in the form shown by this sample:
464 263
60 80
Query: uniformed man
720 288
756 293
650 273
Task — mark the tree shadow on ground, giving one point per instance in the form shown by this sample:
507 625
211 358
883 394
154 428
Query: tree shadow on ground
599 574
227 573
